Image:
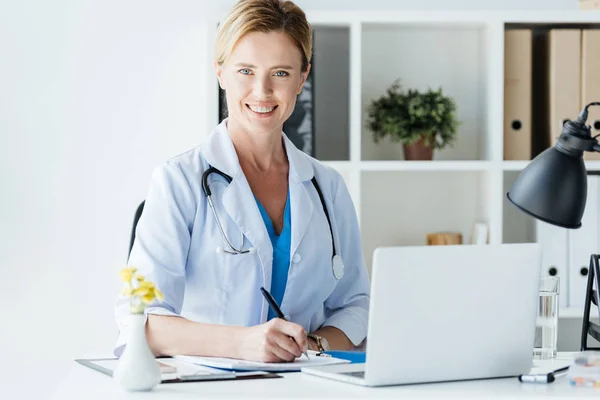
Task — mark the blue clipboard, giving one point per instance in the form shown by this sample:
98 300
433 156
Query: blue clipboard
355 357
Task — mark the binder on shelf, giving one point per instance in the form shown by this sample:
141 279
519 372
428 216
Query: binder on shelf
564 57
589 4
517 94
582 243
555 260
590 81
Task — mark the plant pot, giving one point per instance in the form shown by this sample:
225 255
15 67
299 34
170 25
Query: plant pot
137 369
418 151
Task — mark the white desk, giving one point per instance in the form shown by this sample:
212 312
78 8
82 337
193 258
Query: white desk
85 383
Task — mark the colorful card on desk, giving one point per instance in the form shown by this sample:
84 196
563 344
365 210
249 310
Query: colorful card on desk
355 357
243 365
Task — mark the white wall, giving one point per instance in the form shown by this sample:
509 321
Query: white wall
94 94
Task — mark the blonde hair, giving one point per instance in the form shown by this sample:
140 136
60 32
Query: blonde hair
264 16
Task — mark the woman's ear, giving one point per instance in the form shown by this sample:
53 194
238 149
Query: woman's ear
219 71
304 78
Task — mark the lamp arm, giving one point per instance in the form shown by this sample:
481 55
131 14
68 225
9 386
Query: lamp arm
582 118
576 136
583 115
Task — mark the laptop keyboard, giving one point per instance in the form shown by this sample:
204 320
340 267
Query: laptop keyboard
358 374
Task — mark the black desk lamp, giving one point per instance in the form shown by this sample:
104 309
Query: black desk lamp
553 189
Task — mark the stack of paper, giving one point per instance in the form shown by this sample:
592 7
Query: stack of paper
243 365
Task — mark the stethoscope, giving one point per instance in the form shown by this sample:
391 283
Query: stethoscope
337 264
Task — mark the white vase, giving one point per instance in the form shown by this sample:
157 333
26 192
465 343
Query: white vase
137 369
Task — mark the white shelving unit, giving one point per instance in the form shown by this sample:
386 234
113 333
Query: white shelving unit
398 201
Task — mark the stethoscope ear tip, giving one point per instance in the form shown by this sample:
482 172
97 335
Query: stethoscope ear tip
252 250
220 250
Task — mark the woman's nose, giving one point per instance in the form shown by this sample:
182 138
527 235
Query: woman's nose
262 87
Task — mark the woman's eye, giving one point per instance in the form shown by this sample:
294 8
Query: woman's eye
244 71
281 73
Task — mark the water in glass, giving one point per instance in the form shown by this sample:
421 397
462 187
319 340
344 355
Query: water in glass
546 327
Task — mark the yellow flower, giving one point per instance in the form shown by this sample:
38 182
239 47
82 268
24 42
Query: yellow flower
146 285
145 289
148 297
127 273
141 291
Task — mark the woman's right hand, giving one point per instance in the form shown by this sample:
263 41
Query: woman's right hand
274 341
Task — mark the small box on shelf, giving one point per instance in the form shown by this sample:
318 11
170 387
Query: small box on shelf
481 233
443 238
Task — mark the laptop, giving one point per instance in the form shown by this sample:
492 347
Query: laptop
447 313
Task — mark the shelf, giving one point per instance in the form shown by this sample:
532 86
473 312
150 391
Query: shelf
452 17
514 165
593 166
339 165
358 54
425 166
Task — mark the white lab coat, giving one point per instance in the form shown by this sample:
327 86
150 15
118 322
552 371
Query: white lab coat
177 237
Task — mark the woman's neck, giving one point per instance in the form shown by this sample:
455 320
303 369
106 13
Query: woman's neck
262 152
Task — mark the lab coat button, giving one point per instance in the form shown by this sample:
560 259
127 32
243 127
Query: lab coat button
296 259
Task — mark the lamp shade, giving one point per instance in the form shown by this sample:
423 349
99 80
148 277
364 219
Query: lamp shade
552 188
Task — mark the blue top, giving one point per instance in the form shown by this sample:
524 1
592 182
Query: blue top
281 252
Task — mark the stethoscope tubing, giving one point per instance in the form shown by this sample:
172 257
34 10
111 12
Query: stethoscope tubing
233 250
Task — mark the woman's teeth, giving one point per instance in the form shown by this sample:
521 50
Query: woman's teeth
262 110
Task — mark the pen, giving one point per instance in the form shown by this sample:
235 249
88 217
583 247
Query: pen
276 309
542 378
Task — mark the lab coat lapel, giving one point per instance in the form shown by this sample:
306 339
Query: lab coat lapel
301 204
238 200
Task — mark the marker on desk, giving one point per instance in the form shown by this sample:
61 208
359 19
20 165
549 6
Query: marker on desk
542 378
276 309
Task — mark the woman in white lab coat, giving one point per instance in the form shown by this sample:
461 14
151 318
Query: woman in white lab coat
271 210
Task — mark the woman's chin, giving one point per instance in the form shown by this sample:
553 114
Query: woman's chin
264 123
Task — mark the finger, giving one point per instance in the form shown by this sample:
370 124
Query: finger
280 352
295 331
288 344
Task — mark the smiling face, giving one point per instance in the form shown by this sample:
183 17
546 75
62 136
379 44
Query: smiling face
261 78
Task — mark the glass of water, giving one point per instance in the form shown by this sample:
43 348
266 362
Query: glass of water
546 325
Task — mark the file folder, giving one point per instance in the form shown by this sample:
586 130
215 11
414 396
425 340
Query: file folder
589 4
517 94
590 81
564 55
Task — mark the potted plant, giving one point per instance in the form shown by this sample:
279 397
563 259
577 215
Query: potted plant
421 121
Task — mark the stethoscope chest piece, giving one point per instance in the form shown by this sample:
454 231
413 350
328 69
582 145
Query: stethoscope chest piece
338 267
